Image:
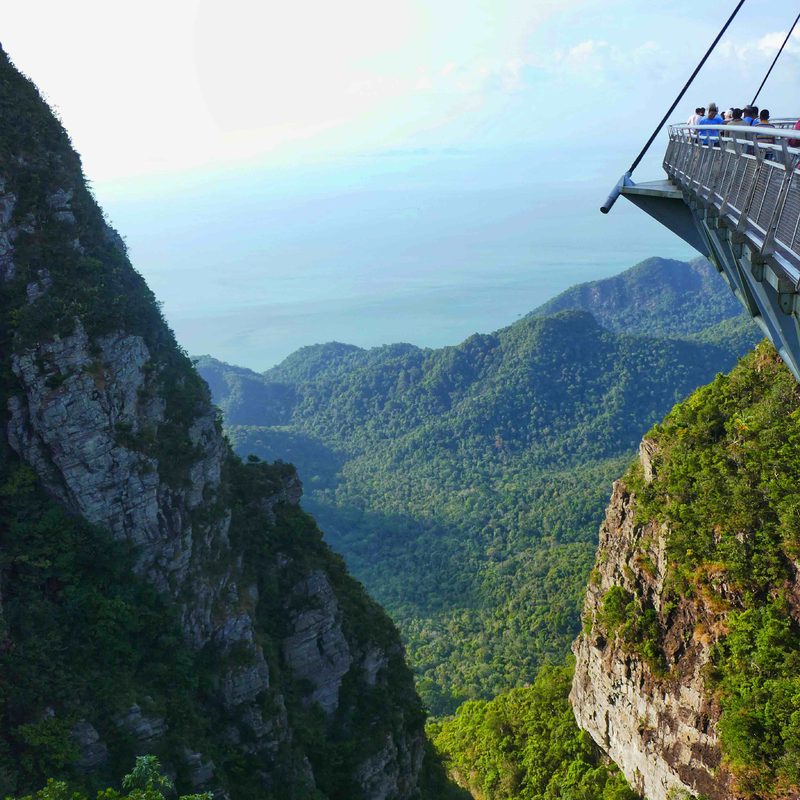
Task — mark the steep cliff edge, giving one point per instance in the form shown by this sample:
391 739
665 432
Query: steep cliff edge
158 595
687 666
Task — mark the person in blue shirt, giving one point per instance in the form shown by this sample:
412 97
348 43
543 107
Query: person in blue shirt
750 115
712 117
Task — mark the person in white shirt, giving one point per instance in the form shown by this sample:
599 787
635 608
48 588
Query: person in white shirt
699 113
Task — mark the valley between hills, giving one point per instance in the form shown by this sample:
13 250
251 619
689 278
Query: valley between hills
465 486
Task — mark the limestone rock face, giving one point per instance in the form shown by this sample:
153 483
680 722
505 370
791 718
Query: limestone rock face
317 650
144 730
659 730
389 771
68 425
8 233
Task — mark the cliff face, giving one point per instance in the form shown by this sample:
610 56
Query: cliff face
686 669
305 688
660 732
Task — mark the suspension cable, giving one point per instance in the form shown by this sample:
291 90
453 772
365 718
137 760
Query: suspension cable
606 207
686 87
788 36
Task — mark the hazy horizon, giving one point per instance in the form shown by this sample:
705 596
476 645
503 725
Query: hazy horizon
425 249
418 171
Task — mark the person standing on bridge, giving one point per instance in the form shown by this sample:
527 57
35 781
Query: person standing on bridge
764 142
699 113
735 118
712 117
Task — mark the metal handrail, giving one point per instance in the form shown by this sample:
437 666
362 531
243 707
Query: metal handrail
743 129
750 184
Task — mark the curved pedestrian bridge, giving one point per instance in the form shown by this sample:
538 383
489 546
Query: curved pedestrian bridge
733 193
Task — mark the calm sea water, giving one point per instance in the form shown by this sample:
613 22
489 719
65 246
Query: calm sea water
428 249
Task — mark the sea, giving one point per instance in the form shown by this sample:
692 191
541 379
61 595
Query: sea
255 261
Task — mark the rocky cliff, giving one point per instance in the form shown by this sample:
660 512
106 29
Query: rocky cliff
226 636
661 733
686 668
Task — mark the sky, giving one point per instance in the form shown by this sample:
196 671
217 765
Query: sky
164 85
325 141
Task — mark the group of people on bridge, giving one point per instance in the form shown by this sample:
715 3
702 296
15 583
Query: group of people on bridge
749 116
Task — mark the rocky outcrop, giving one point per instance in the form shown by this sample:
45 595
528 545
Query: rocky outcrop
144 731
92 752
656 721
388 773
317 650
68 424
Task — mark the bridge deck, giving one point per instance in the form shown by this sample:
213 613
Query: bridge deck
654 189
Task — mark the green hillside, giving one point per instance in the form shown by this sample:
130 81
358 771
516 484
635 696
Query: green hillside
465 485
659 297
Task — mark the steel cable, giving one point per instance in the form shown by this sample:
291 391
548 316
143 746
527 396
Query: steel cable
788 35
606 207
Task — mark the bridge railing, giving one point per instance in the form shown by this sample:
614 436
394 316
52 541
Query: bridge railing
749 177
783 123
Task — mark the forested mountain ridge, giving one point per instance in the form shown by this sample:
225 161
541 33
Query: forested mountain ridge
658 297
465 485
158 594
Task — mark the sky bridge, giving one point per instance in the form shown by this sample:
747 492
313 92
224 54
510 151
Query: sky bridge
733 193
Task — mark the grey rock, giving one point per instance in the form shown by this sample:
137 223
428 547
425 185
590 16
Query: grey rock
93 752
146 731
291 492
244 684
7 203
200 773
317 650
110 236
70 434
372 662
392 771
41 287
648 450
61 199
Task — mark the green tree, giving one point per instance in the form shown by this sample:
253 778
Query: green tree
525 745
144 782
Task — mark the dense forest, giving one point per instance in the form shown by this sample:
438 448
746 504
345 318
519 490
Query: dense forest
465 486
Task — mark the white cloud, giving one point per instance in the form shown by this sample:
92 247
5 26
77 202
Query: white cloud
771 43
583 52
599 63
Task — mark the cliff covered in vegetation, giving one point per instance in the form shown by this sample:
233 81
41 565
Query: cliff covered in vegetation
687 668
158 594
